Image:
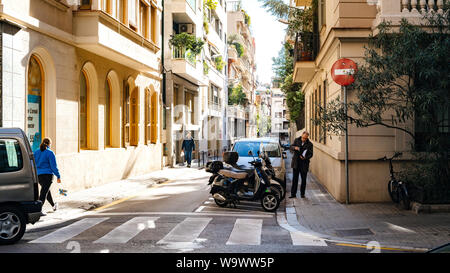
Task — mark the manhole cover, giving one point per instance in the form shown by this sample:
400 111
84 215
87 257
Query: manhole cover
354 232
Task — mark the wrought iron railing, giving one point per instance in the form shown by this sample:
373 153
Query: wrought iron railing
306 46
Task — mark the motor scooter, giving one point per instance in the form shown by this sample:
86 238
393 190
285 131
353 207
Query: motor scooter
230 185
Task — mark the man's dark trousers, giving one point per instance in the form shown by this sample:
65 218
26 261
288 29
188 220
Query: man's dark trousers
294 186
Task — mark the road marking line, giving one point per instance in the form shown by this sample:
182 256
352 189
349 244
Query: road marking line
63 234
246 232
115 203
382 248
127 231
186 231
260 215
200 209
299 235
131 197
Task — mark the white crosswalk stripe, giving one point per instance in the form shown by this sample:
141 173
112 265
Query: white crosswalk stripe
246 232
63 234
127 231
186 231
185 235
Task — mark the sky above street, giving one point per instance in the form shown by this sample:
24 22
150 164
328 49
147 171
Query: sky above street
269 34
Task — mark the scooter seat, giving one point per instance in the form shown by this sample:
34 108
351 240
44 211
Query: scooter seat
233 174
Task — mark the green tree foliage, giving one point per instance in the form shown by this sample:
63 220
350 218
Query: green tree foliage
298 19
211 4
188 41
237 96
239 48
283 68
404 79
219 63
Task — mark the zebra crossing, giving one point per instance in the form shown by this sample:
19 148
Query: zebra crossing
244 232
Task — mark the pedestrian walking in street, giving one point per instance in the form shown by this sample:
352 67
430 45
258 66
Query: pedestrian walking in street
187 147
303 152
46 168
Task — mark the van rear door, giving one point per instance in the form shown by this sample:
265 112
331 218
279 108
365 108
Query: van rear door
17 181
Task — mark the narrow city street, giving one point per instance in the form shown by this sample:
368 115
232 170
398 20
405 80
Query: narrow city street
175 216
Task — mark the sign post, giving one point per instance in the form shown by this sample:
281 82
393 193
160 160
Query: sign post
342 72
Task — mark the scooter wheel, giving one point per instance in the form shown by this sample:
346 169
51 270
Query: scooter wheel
270 201
221 203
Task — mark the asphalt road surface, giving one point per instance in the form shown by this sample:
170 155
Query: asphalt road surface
179 216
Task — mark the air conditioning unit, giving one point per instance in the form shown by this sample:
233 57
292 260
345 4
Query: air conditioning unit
188 28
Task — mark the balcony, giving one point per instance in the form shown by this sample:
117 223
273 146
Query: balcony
184 11
305 53
412 10
99 33
185 64
183 54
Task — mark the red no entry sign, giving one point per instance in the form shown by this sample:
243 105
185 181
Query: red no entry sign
343 70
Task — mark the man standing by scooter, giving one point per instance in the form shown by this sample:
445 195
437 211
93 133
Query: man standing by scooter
303 152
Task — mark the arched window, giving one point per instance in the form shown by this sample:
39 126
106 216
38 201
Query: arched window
148 124
35 102
154 118
107 113
84 110
126 115
134 117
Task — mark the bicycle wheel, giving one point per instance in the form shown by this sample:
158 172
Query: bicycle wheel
404 197
393 190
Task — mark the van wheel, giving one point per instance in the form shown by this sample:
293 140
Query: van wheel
12 225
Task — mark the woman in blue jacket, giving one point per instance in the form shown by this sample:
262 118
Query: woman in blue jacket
46 168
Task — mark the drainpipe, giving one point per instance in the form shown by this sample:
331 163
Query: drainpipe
162 60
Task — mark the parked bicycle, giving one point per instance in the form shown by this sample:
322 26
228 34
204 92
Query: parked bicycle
397 189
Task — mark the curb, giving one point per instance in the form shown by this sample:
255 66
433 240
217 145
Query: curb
288 220
419 208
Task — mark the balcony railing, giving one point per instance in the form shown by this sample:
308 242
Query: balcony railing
422 6
306 46
182 54
214 106
234 5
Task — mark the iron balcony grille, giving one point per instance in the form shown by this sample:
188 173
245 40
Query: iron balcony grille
306 46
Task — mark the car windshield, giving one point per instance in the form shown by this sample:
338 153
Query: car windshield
243 147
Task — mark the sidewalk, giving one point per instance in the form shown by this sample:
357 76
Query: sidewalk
361 223
84 202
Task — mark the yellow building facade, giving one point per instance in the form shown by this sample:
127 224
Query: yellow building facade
343 30
87 75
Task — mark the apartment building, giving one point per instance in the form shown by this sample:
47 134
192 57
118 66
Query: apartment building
195 84
242 65
342 31
263 106
279 121
87 75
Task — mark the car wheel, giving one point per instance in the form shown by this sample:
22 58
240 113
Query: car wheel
12 225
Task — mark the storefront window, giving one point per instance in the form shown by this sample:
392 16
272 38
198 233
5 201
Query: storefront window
107 114
83 111
35 103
